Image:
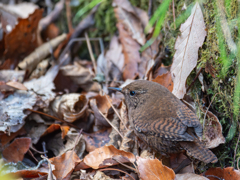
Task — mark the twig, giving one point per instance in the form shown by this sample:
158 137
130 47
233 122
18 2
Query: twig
129 167
208 109
44 148
31 154
235 151
69 15
117 113
113 169
194 80
91 53
78 139
71 125
174 18
110 123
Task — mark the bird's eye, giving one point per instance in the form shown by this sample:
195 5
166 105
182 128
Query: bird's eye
132 93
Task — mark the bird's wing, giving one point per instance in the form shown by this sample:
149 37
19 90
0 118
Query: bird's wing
169 128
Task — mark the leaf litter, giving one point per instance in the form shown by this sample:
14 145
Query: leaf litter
67 131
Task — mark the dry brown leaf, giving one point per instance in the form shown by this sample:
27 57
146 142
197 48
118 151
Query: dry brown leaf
154 169
64 164
25 32
189 176
100 103
228 173
102 157
185 58
4 138
165 80
70 107
128 16
213 131
16 150
55 127
131 53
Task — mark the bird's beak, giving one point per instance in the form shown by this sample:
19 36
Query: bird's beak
115 89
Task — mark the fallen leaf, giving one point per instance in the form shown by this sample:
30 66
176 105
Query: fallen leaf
103 157
213 131
64 164
70 107
176 159
27 34
16 150
128 16
185 58
131 53
228 173
55 127
11 75
189 176
97 139
11 109
4 138
165 80
154 169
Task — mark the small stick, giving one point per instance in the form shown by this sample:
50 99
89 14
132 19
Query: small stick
174 18
117 113
44 148
113 169
110 123
194 80
208 109
38 112
91 53
69 14
129 167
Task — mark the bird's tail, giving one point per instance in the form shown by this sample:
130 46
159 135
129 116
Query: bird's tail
199 151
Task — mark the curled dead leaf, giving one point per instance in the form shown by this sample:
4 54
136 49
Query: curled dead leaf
213 131
70 107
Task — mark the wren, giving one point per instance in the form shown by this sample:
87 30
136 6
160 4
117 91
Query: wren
163 121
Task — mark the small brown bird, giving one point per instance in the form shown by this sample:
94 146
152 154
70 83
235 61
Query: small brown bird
163 121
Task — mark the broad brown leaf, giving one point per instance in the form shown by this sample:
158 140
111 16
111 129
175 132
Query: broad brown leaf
64 164
165 80
17 149
102 157
131 53
228 173
154 169
185 58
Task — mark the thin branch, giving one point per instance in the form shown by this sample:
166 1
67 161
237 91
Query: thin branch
174 18
91 52
69 15
53 117
110 123
117 113
113 169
